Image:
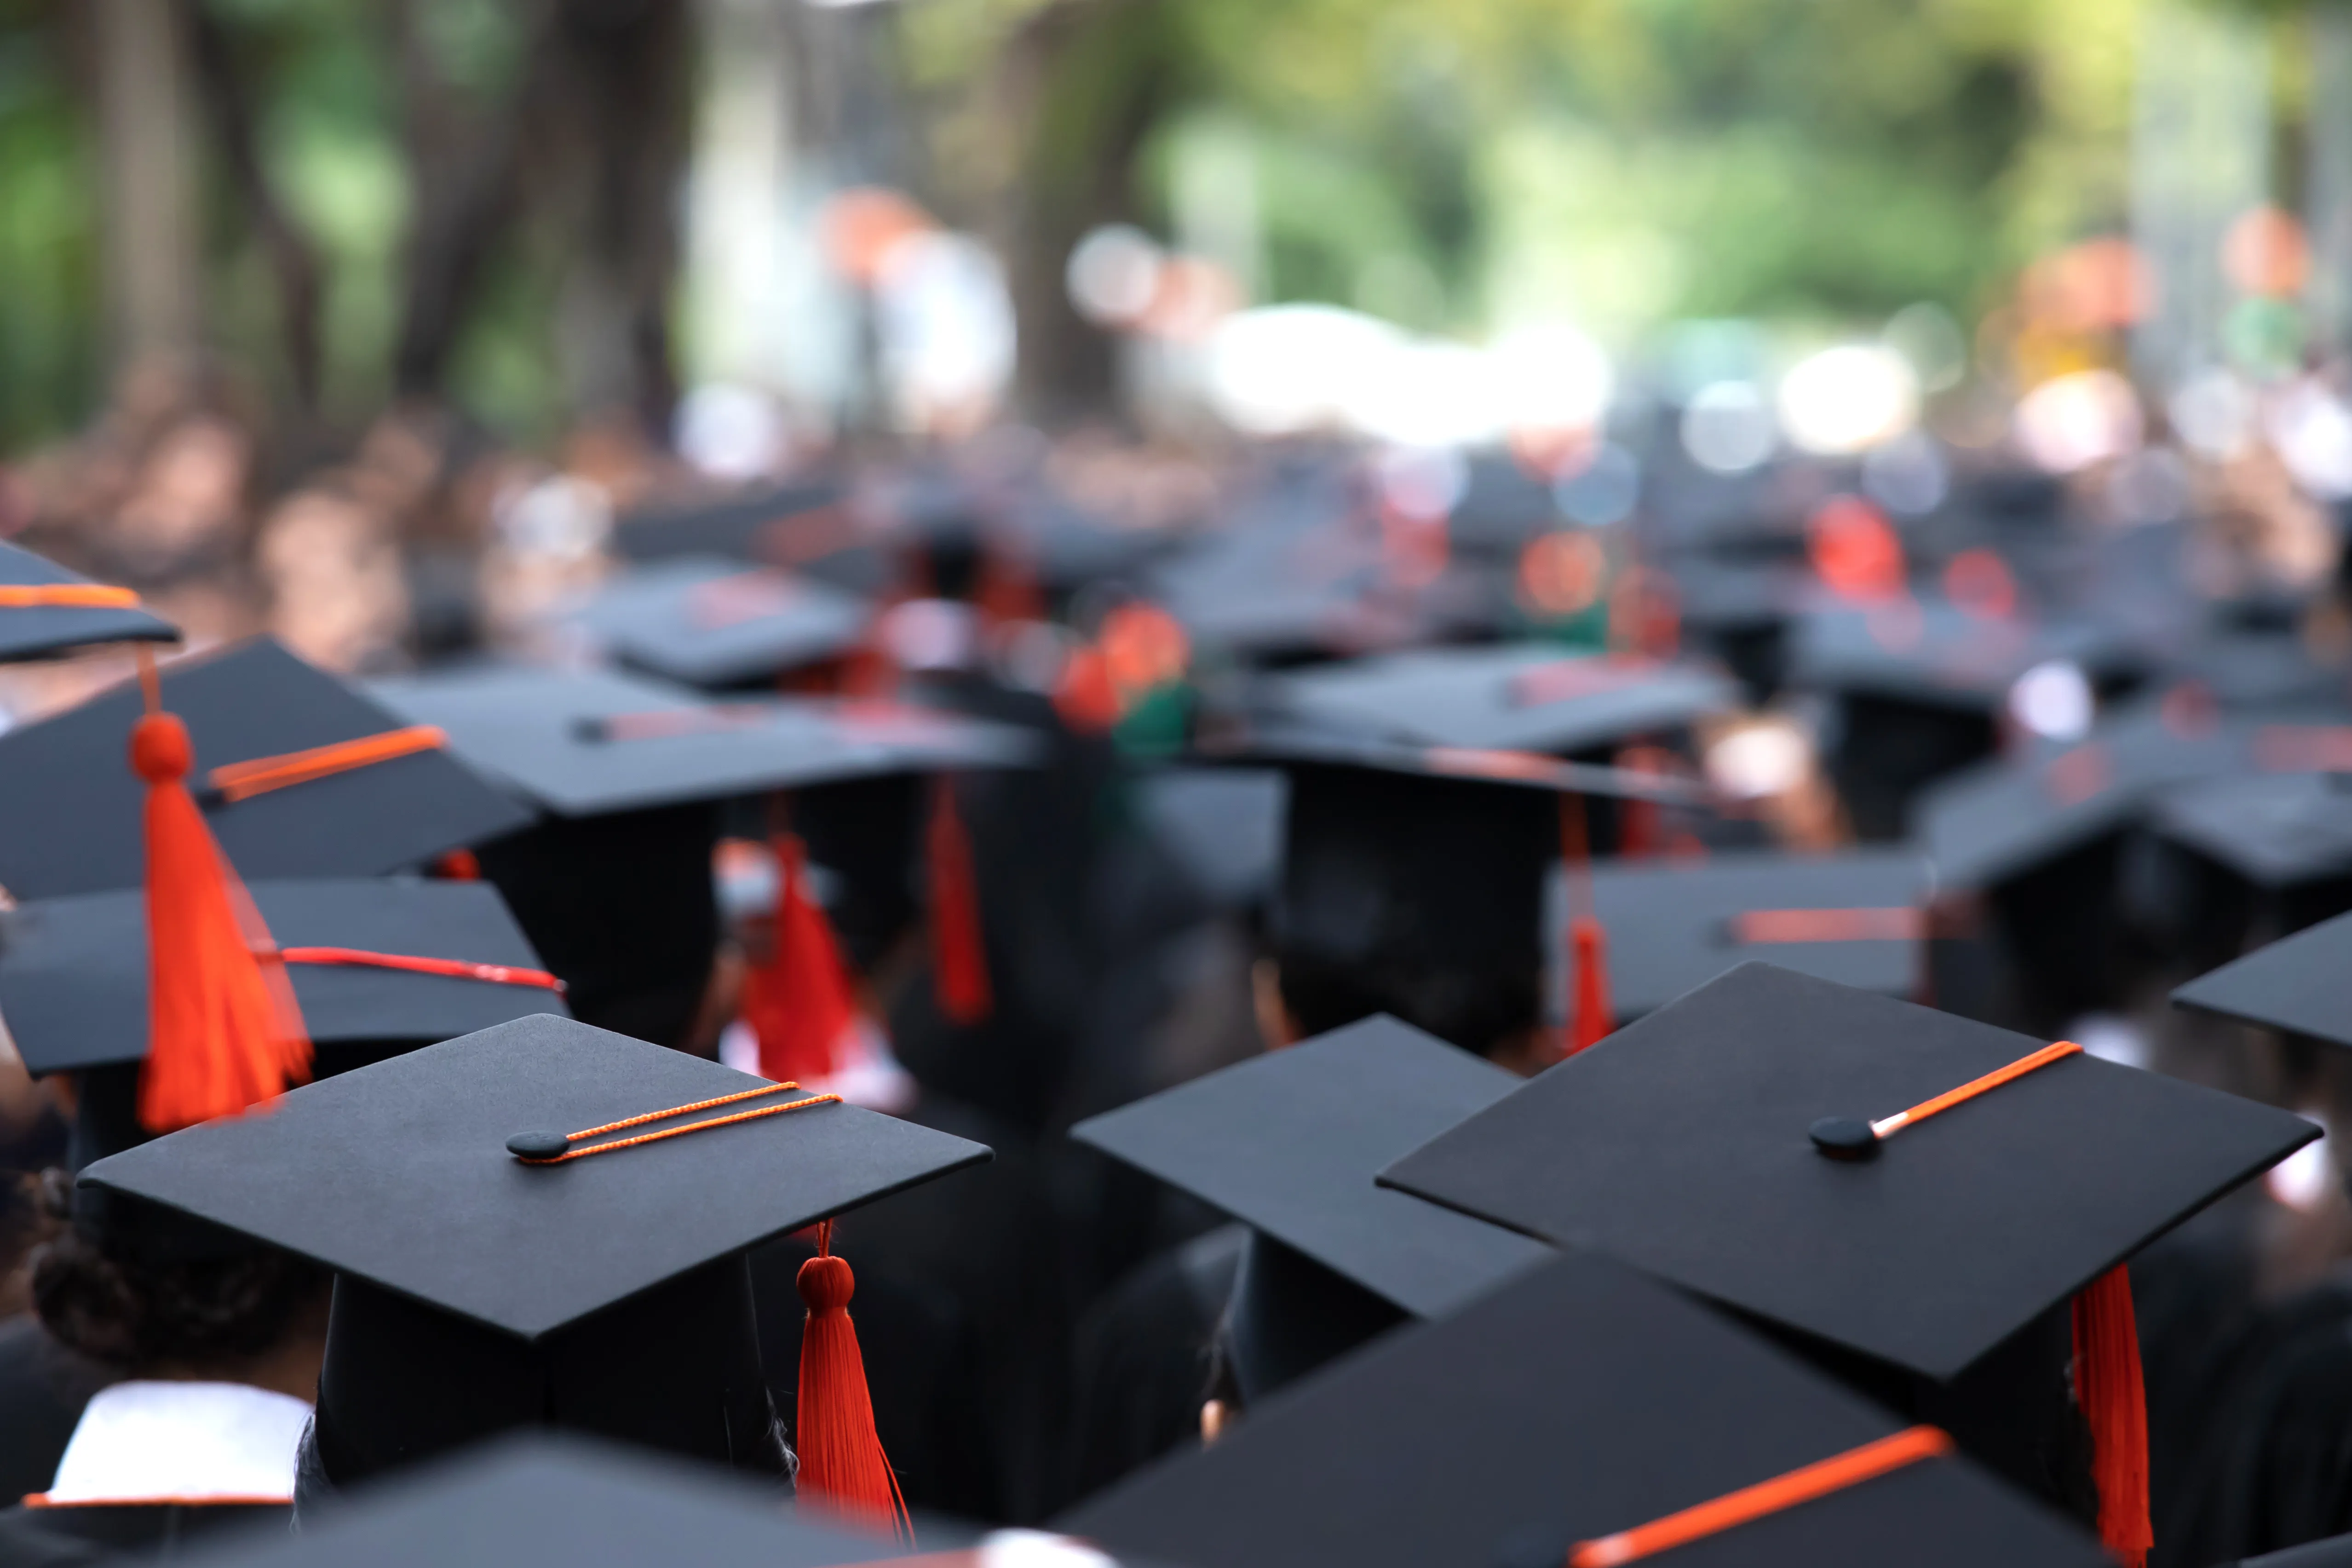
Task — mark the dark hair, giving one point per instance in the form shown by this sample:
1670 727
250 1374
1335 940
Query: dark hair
135 1314
1477 1009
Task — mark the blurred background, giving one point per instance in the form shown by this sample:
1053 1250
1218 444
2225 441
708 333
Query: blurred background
304 301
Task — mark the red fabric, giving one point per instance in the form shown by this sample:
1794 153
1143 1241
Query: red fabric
959 956
223 1034
799 1003
2108 1386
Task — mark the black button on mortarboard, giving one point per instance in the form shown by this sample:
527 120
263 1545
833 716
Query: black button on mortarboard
1844 1138
537 1146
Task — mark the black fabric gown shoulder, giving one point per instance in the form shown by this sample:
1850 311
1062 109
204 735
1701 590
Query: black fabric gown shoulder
43 1387
1142 1362
60 1537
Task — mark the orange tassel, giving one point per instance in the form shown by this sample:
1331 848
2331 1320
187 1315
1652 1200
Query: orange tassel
798 1003
2109 1388
1590 1019
1086 696
223 1033
842 1465
958 957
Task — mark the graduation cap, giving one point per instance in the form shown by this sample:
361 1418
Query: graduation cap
1858 916
613 885
547 1499
1289 1142
494 1271
2336 1552
377 967
2297 984
1580 1416
715 623
298 775
2020 1175
2268 849
800 527
1921 684
1223 826
1413 877
1520 697
45 610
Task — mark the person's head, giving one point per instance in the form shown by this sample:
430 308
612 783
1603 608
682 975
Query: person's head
246 1313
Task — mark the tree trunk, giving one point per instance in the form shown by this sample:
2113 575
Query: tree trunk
154 273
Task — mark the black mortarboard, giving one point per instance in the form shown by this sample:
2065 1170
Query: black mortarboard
1289 1142
74 805
1921 684
74 973
475 1292
1413 877
1857 917
615 885
2299 984
45 610
2231 856
795 526
2009 818
1572 1405
1520 697
1222 826
559 1500
1681 1144
2336 1552
586 743
715 623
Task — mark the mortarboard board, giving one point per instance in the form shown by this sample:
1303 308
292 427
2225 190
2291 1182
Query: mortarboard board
2336 1552
2232 855
613 885
1526 697
74 980
75 804
1703 1144
2008 818
45 610
715 623
1573 1405
1858 917
1289 1142
798 527
476 1291
2296 984
1413 877
545 1499
1927 1257
589 743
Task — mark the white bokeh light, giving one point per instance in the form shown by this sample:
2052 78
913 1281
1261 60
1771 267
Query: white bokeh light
2053 700
1727 428
2073 421
1848 399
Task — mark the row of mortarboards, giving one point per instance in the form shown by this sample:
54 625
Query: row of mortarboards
1921 1338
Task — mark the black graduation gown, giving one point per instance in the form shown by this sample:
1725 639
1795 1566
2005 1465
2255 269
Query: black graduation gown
1143 1359
43 1387
60 1537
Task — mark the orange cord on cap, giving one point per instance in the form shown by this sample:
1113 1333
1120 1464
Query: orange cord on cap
1758 927
224 1033
66 596
1974 1087
842 1465
1748 1504
2114 1400
456 968
680 1132
242 780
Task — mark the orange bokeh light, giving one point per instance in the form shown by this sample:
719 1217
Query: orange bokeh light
1562 574
2265 254
859 226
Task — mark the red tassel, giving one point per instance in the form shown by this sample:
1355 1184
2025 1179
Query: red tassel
224 1033
458 865
799 1002
1590 1017
1009 591
842 1466
958 958
2109 1388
